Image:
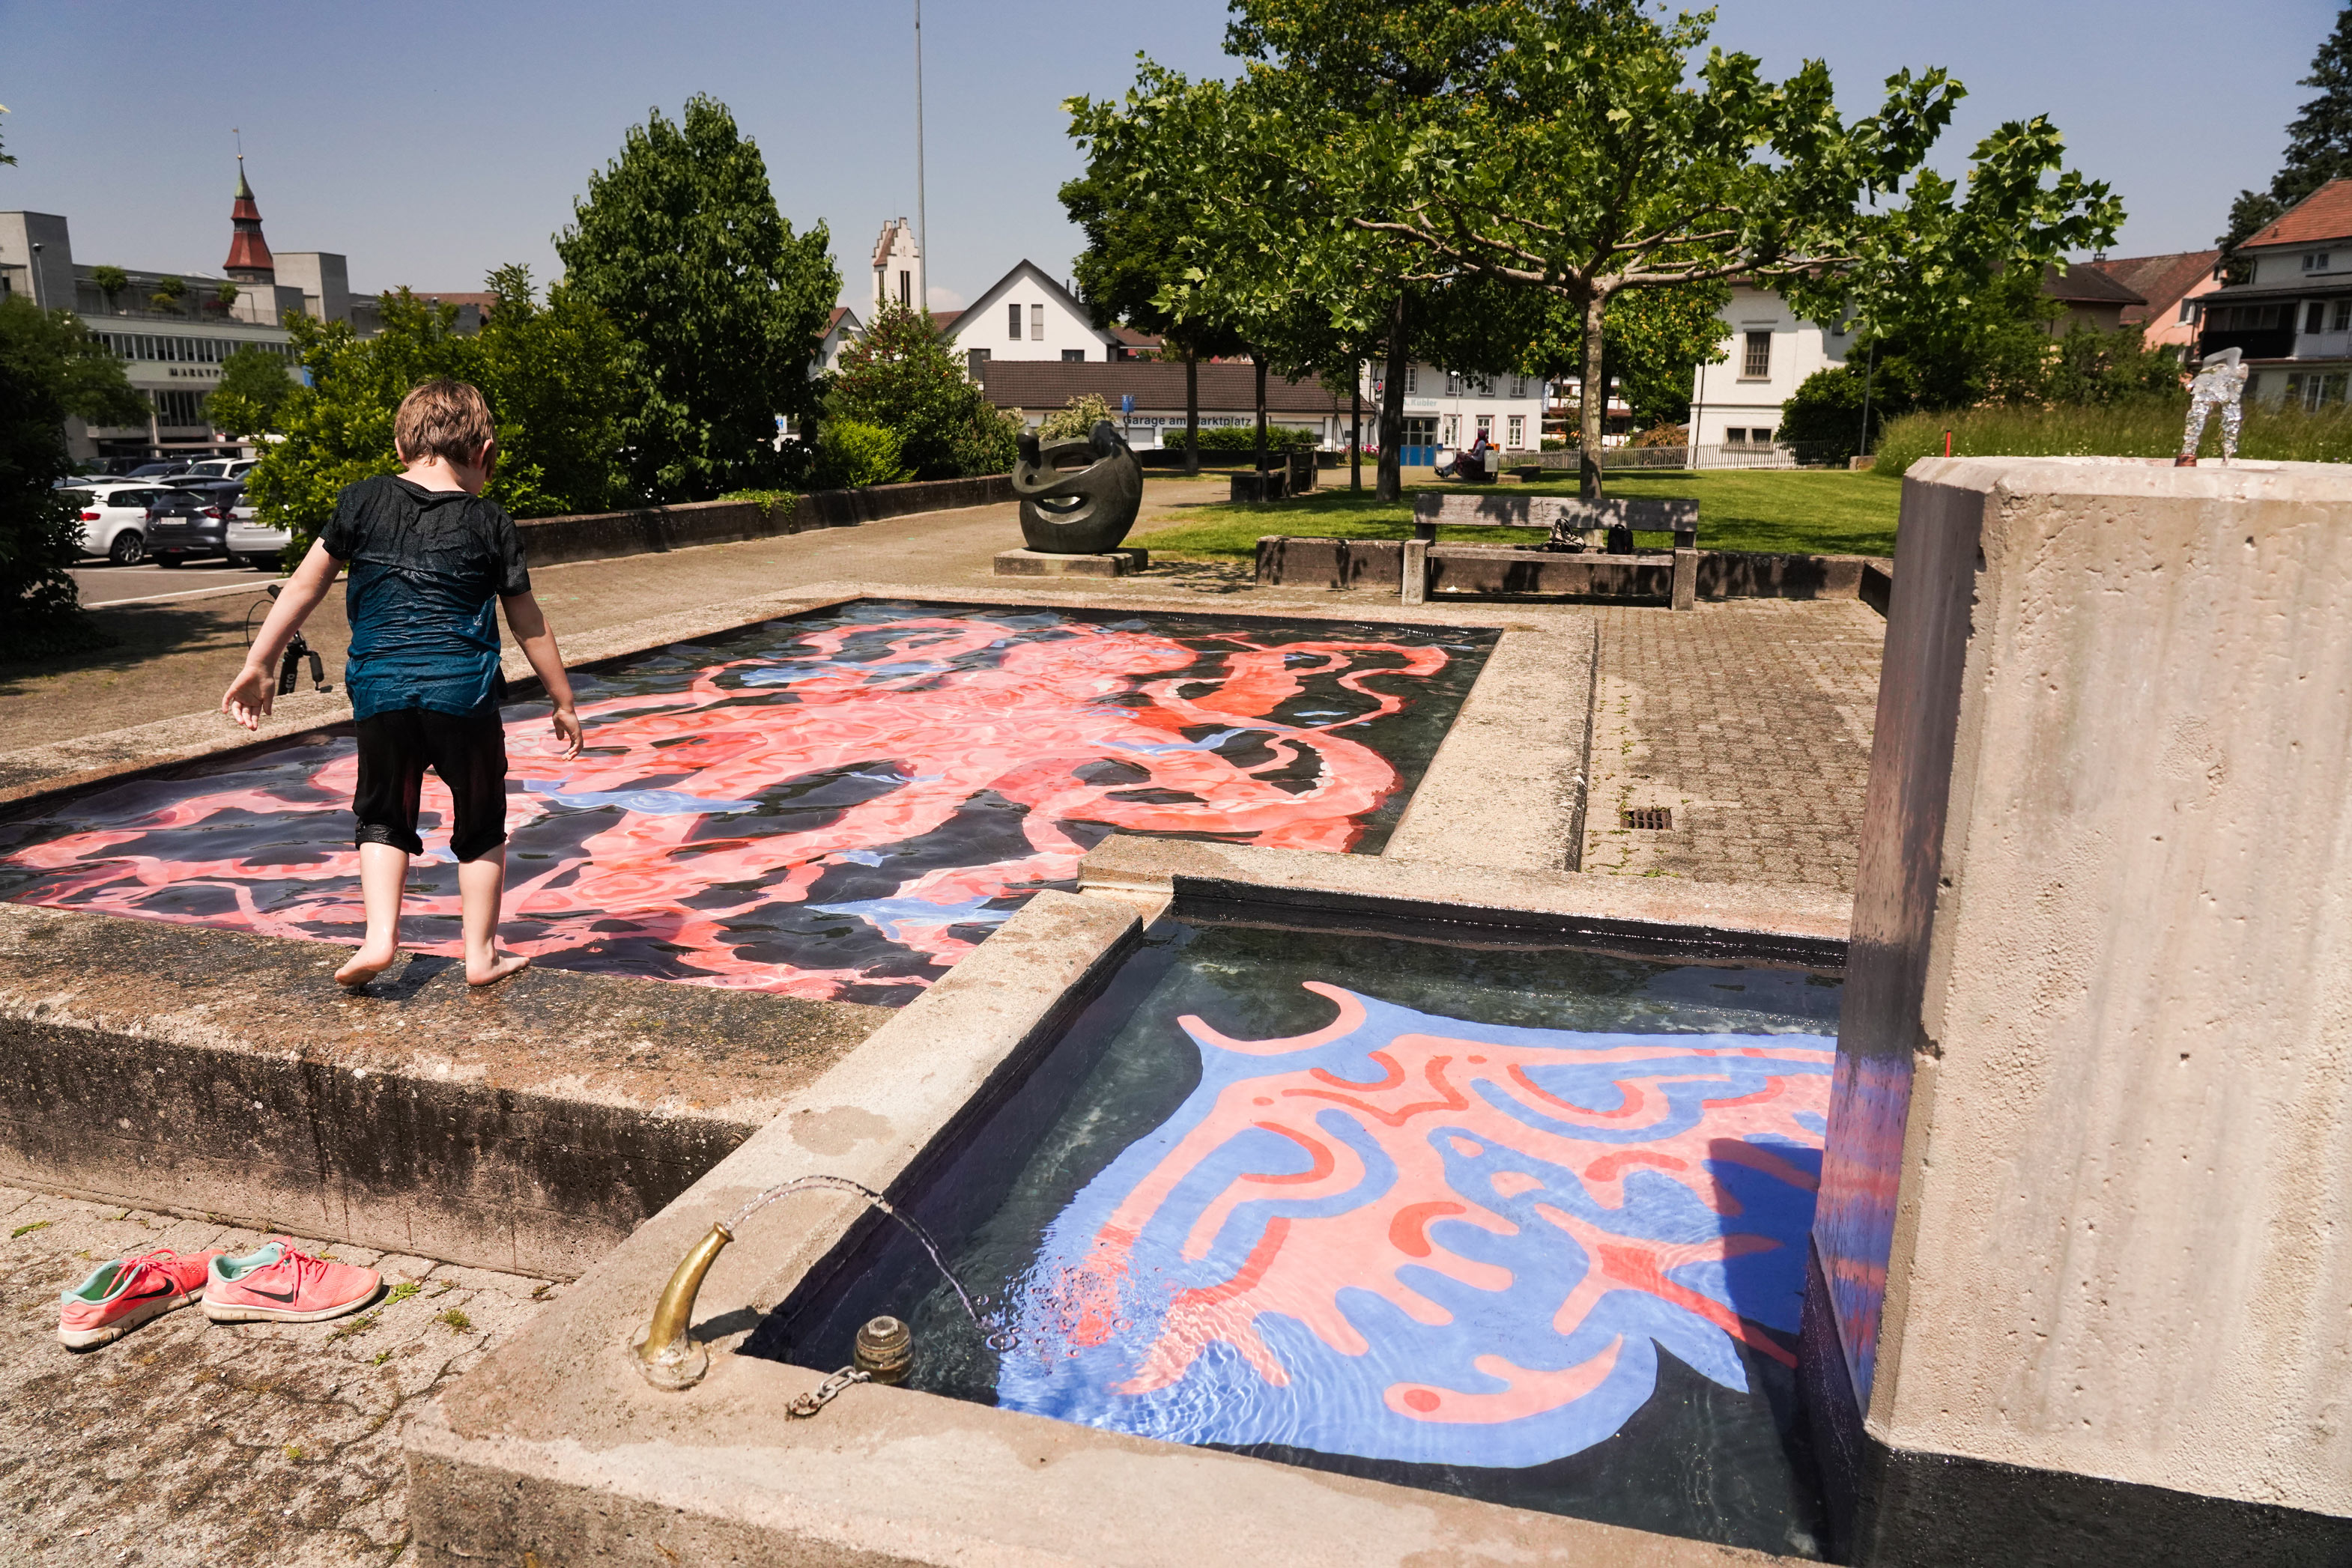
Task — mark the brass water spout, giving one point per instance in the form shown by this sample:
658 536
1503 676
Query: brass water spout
669 1356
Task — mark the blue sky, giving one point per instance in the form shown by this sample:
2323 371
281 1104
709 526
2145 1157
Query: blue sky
434 140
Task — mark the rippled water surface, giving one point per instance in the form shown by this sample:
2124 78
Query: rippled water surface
1525 1225
836 805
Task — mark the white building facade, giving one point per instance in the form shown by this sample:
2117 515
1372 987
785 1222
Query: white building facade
1736 405
1449 408
1026 315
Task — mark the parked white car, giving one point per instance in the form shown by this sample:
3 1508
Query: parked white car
252 543
221 468
114 518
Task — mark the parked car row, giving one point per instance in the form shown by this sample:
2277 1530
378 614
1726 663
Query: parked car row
130 520
167 468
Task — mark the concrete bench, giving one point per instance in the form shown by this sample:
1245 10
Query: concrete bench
1588 522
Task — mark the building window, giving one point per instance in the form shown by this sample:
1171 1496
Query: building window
1036 323
1454 383
2315 261
2188 310
1761 438
1452 429
1518 438
1012 322
1412 380
2343 317
1518 386
1486 427
1734 435
1756 364
1073 356
2314 317
975 361
179 409
905 286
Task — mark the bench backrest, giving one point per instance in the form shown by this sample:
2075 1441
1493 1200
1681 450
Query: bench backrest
1436 509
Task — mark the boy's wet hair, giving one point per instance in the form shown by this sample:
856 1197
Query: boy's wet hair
442 418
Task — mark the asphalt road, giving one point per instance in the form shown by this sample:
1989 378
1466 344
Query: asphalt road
103 583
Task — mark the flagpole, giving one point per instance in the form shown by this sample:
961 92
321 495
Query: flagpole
922 225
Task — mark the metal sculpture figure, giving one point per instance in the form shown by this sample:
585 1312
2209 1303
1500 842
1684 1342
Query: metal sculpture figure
2221 383
1082 510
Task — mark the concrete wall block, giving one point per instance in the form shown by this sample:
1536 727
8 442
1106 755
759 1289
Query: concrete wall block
2093 1130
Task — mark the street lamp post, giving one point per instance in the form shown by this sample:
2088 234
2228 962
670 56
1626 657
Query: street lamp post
922 226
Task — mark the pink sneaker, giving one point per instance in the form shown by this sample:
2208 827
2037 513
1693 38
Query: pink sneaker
276 1284
120 1296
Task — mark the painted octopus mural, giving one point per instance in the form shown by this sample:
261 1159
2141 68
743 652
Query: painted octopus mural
1409 1238
838 810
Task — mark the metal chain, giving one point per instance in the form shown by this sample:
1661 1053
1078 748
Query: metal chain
807 1404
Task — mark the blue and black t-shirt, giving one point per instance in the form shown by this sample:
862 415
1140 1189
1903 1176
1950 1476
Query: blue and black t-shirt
428 568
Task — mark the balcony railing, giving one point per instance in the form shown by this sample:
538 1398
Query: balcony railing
2254 343
2322 345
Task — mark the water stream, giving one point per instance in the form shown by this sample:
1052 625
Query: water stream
995 1338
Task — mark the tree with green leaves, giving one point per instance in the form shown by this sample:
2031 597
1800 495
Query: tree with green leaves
2319 141
168 292
720 304
253 390
51 367
1585 154
1124 271
899 375
110 281
552 376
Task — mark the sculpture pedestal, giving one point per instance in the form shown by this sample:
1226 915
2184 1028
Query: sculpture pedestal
2083 1260
1039 563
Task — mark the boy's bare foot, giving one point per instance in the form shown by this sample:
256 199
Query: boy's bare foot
502 966
365 965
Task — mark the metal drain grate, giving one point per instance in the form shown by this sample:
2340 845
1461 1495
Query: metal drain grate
1657 818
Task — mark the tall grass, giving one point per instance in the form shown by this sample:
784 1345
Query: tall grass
2150 429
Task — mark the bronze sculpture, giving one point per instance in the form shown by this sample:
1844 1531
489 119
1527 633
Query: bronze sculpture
1078 495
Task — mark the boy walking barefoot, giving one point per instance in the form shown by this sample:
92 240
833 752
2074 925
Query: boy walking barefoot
428 556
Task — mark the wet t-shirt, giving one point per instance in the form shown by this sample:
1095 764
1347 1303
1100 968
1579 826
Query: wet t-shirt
428 568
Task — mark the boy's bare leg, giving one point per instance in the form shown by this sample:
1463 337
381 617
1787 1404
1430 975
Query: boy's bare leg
384 874
481 884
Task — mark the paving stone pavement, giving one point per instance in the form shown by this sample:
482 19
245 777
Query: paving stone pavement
1750 720
187 1442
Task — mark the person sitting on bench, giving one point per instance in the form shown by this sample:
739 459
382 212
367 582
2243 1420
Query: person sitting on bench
1474 456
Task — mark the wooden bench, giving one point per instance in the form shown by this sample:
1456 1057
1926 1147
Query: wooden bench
1566 517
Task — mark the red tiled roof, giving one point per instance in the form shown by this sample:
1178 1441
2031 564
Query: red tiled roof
1227 387
2081 283
2325 213
943 320
2162 280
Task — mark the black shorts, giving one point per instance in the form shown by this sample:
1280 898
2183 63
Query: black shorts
470 755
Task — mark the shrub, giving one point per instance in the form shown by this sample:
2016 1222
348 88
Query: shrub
900 375
852 453
1822 423
1076 421
1244 438
2137 429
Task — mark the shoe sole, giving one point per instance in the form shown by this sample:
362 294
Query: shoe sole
85 1339
231 1312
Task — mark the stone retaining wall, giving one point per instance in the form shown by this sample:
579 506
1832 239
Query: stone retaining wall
527 1129
599 535
1376 566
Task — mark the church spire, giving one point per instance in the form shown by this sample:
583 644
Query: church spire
249 260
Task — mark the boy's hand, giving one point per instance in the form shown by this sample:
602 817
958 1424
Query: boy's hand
567 731
249 696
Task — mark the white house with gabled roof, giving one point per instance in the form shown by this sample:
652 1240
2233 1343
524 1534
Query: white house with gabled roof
1026 315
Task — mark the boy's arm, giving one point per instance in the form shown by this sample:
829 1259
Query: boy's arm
249 696
529 623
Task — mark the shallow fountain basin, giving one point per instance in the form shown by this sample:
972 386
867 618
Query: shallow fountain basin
557 1445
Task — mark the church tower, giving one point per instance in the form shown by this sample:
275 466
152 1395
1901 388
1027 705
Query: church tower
898 268
249 260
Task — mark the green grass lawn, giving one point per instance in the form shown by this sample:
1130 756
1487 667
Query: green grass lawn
1802 511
